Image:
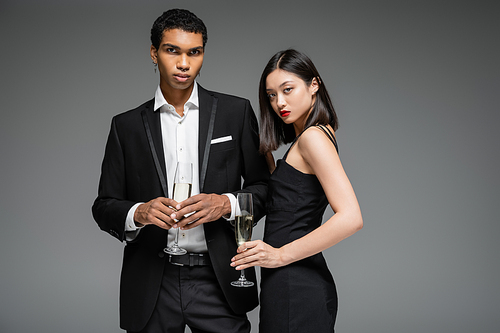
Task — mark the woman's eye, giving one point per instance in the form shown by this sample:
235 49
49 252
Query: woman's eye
271 95
287 90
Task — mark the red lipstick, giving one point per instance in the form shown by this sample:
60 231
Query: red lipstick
284 113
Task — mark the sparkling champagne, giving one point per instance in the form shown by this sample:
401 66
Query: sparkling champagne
182 191
243 228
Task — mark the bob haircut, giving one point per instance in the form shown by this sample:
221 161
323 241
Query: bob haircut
181 19
273 131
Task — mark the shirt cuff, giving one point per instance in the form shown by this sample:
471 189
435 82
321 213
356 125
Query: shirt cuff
129 222
232 200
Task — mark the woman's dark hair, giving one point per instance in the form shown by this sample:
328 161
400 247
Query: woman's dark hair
273 131
177 19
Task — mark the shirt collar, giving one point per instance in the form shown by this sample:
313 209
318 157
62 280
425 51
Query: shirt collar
192 101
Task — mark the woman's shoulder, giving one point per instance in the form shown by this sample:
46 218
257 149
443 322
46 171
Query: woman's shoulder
314 143
316 134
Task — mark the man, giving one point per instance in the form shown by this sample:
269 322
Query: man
217 133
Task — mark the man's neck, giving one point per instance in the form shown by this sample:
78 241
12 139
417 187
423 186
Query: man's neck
177 97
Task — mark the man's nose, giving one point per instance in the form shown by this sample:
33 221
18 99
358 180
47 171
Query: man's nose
183 63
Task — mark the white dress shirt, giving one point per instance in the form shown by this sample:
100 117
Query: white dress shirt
180 144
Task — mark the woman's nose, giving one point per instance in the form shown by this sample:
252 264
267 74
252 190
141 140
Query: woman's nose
281 101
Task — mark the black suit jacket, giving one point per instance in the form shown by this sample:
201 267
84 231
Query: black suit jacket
129 175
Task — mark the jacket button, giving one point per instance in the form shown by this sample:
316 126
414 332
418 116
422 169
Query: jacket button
161 254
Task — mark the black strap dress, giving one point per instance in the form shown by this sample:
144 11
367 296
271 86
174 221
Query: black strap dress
300 297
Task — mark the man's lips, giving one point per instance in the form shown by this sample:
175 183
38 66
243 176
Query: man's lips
284 113
181 77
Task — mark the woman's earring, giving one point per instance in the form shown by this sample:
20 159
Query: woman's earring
155 65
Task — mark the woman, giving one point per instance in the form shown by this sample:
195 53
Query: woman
297 290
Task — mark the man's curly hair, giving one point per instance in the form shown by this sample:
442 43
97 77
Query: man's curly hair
181 19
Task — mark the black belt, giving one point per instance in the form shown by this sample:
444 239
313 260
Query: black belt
190 259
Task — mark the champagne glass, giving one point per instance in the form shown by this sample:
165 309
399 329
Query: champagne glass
182 190
243 230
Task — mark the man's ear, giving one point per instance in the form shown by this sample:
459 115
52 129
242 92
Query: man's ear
154 54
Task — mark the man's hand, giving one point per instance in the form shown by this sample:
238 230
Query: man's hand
203 207
157 212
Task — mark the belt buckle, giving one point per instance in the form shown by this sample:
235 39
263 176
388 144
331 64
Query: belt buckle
174 263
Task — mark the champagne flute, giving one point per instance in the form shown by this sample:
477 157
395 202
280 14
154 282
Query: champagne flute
243 230
182 190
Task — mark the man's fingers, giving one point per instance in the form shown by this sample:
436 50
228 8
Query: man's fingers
198 209
158 212
164 225
189 201
183 213
164 205
190 221
187 214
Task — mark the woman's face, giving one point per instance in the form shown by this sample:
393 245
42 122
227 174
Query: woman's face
290 97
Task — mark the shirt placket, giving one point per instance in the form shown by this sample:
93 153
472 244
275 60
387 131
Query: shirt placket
181 141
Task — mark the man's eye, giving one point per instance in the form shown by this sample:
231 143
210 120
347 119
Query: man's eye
195 52
171 50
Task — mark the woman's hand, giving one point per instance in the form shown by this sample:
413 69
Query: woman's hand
257 253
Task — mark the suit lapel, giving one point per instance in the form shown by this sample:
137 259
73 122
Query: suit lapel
205 100
152 126
208 109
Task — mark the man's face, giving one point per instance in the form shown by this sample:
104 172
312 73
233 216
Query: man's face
179 58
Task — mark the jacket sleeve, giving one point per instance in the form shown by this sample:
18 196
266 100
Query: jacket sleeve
110 208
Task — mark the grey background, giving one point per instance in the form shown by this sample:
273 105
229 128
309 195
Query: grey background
415 84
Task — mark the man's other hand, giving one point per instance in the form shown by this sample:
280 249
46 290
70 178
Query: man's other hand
203 208
157 212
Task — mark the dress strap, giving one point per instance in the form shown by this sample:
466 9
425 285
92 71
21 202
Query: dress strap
291 145
330 135
325 129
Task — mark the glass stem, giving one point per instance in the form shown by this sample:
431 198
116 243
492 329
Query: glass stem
176 238
242 275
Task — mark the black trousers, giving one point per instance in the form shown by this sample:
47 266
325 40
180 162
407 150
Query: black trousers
192 296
